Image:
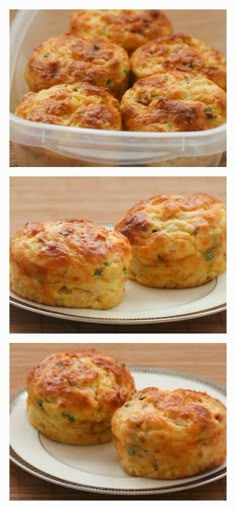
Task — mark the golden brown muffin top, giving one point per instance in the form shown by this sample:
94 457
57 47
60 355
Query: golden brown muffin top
183 52
68 59
173 101
128 28
171 227
169 414
77 105
85 381
72 249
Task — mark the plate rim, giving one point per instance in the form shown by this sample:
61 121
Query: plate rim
207 477
39 309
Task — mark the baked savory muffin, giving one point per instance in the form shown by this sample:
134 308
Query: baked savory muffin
173 101
177 241
79 105
68 59
73 263
72 396
182 52
170 434
128 28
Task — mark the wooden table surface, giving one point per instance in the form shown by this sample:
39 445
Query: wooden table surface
206 360
104 200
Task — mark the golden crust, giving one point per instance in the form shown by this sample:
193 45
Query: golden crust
78 105
73 263
170 434
173 101
128 28
177 241
72 396
69 59
182 52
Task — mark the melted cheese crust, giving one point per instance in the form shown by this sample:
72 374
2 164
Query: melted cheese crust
170 434
72 396
73 263
177 241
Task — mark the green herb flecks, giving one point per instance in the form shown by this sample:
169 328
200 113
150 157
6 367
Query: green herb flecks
209 113
131 450
98 271
68 417
208 255
190 64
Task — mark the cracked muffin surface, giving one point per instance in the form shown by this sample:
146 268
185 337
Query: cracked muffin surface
127 28
72 395
172 102
177 241
170 434
69 59
182 52
73 263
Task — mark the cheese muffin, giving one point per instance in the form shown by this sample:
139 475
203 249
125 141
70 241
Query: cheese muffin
177 241
173 101
170 434
179 51
68 59
72 263
78 105
72 396
128 28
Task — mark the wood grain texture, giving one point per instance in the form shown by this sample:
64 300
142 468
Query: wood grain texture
204 360
104 200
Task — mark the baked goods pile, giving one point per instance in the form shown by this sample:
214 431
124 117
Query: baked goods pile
87 397
161 81
167 241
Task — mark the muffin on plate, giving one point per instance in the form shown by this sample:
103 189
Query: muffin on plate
73 263
69 59
72 396
79 105
173 101
166 434
177 241
128 28
179 51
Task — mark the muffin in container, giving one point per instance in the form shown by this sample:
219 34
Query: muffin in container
170 434
177 241
127 28
73 395
173 101
69 59
77 105
72 263
179 51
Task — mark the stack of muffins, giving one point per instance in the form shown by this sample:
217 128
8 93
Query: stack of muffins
125 70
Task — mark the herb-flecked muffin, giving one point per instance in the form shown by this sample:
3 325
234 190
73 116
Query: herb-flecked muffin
72 396
179 51
177 241
72 263
68 59
79 105
166 434
173 101
128 28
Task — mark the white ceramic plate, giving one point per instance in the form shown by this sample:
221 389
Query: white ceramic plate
144 305
97 468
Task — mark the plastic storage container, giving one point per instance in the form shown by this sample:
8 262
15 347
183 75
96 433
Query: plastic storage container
38 144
